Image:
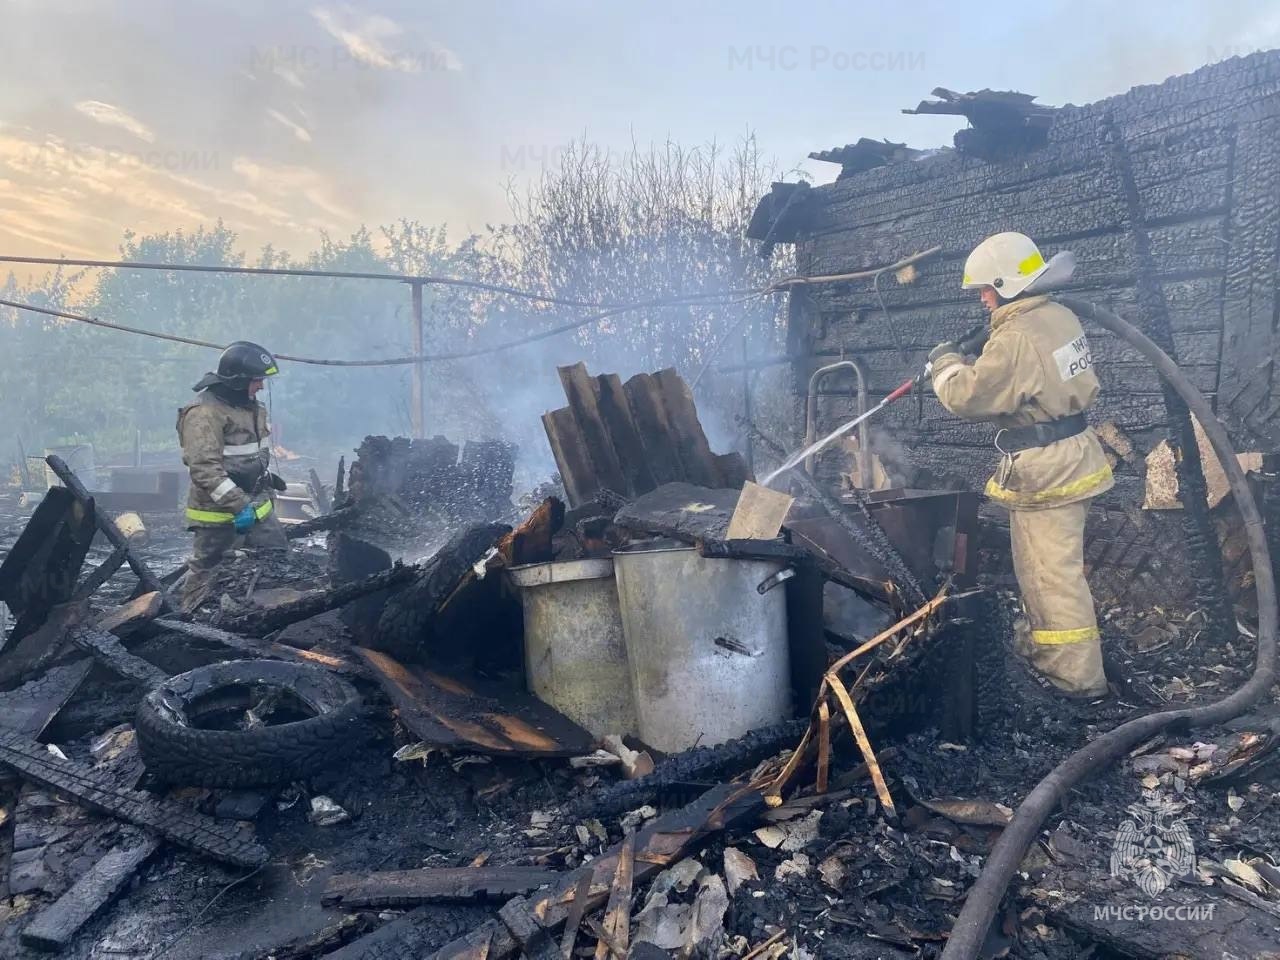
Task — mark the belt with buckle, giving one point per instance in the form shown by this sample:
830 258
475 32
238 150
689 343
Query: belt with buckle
1017 439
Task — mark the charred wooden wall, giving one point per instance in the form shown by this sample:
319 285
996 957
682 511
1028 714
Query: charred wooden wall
1205 153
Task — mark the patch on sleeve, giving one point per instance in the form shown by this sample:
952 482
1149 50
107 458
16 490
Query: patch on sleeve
1074 358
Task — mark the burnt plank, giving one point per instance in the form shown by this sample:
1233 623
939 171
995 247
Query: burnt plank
1222 928
39 648
644 398
31 707
462 712
55 926
686 430
581 392
256 647
569 450
127 617
110 652
399 888
661 843
101 792
682 510
616 413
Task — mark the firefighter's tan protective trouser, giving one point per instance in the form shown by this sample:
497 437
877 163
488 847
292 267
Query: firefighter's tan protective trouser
1060 636
212 544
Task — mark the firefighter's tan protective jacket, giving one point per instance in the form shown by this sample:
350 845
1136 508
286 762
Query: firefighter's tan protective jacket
224 446
1035 368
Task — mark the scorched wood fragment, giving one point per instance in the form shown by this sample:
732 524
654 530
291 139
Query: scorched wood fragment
664 841
111 653
400 888
107 525
256 647
54 928
644 397
264 622
581 391
41 569
686 430
31 707
463 713
213 838
616 414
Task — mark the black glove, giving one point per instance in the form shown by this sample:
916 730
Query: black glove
942 349
277 482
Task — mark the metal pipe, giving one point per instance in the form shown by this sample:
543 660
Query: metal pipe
811 417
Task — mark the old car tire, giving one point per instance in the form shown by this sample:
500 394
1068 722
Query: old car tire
176 750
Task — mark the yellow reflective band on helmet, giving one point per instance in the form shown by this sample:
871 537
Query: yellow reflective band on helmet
1031 263
270 371
1052 638
1073 489
967 279
221 516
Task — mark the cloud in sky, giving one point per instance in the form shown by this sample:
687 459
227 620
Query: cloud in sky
297 129
112 116
378 41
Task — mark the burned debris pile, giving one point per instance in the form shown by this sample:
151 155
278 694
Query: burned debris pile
637 714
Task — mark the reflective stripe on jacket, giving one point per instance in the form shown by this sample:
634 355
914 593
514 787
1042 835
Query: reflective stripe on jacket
227 450
1035 368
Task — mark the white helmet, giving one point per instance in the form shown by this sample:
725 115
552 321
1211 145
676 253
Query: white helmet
1008 262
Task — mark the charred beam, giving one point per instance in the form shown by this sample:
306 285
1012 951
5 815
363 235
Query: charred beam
214 838
106 524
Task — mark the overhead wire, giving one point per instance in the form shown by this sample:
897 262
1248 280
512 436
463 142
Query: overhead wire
685 300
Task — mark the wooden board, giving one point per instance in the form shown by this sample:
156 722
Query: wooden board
644 399
1232 929
260 648
54 927
686 430
581 391
37 649
616 414
569 450
31 707
681 510
467 714
400 888
127 617
42 568
657 846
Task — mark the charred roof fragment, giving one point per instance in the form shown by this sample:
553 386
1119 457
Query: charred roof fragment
866 154
1002 122
780 216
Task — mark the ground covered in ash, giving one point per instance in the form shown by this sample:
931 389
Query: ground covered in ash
828 876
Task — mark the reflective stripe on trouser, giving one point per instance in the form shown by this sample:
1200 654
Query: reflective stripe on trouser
261 511
1048 559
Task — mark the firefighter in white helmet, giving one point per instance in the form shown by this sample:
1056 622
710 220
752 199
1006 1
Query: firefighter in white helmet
1034 380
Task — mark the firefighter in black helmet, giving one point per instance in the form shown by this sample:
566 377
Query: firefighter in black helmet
225 445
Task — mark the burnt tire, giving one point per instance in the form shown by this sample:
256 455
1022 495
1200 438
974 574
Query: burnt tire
177 750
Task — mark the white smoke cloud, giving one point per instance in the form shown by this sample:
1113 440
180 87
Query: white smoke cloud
112 116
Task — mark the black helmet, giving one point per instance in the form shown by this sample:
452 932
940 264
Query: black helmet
241 362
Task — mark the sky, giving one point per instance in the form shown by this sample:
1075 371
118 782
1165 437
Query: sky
288 119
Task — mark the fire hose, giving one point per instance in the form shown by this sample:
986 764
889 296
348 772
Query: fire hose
984 898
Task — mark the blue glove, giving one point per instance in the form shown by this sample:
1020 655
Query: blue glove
245 519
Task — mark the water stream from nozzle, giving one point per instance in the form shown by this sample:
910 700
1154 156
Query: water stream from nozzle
835 434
